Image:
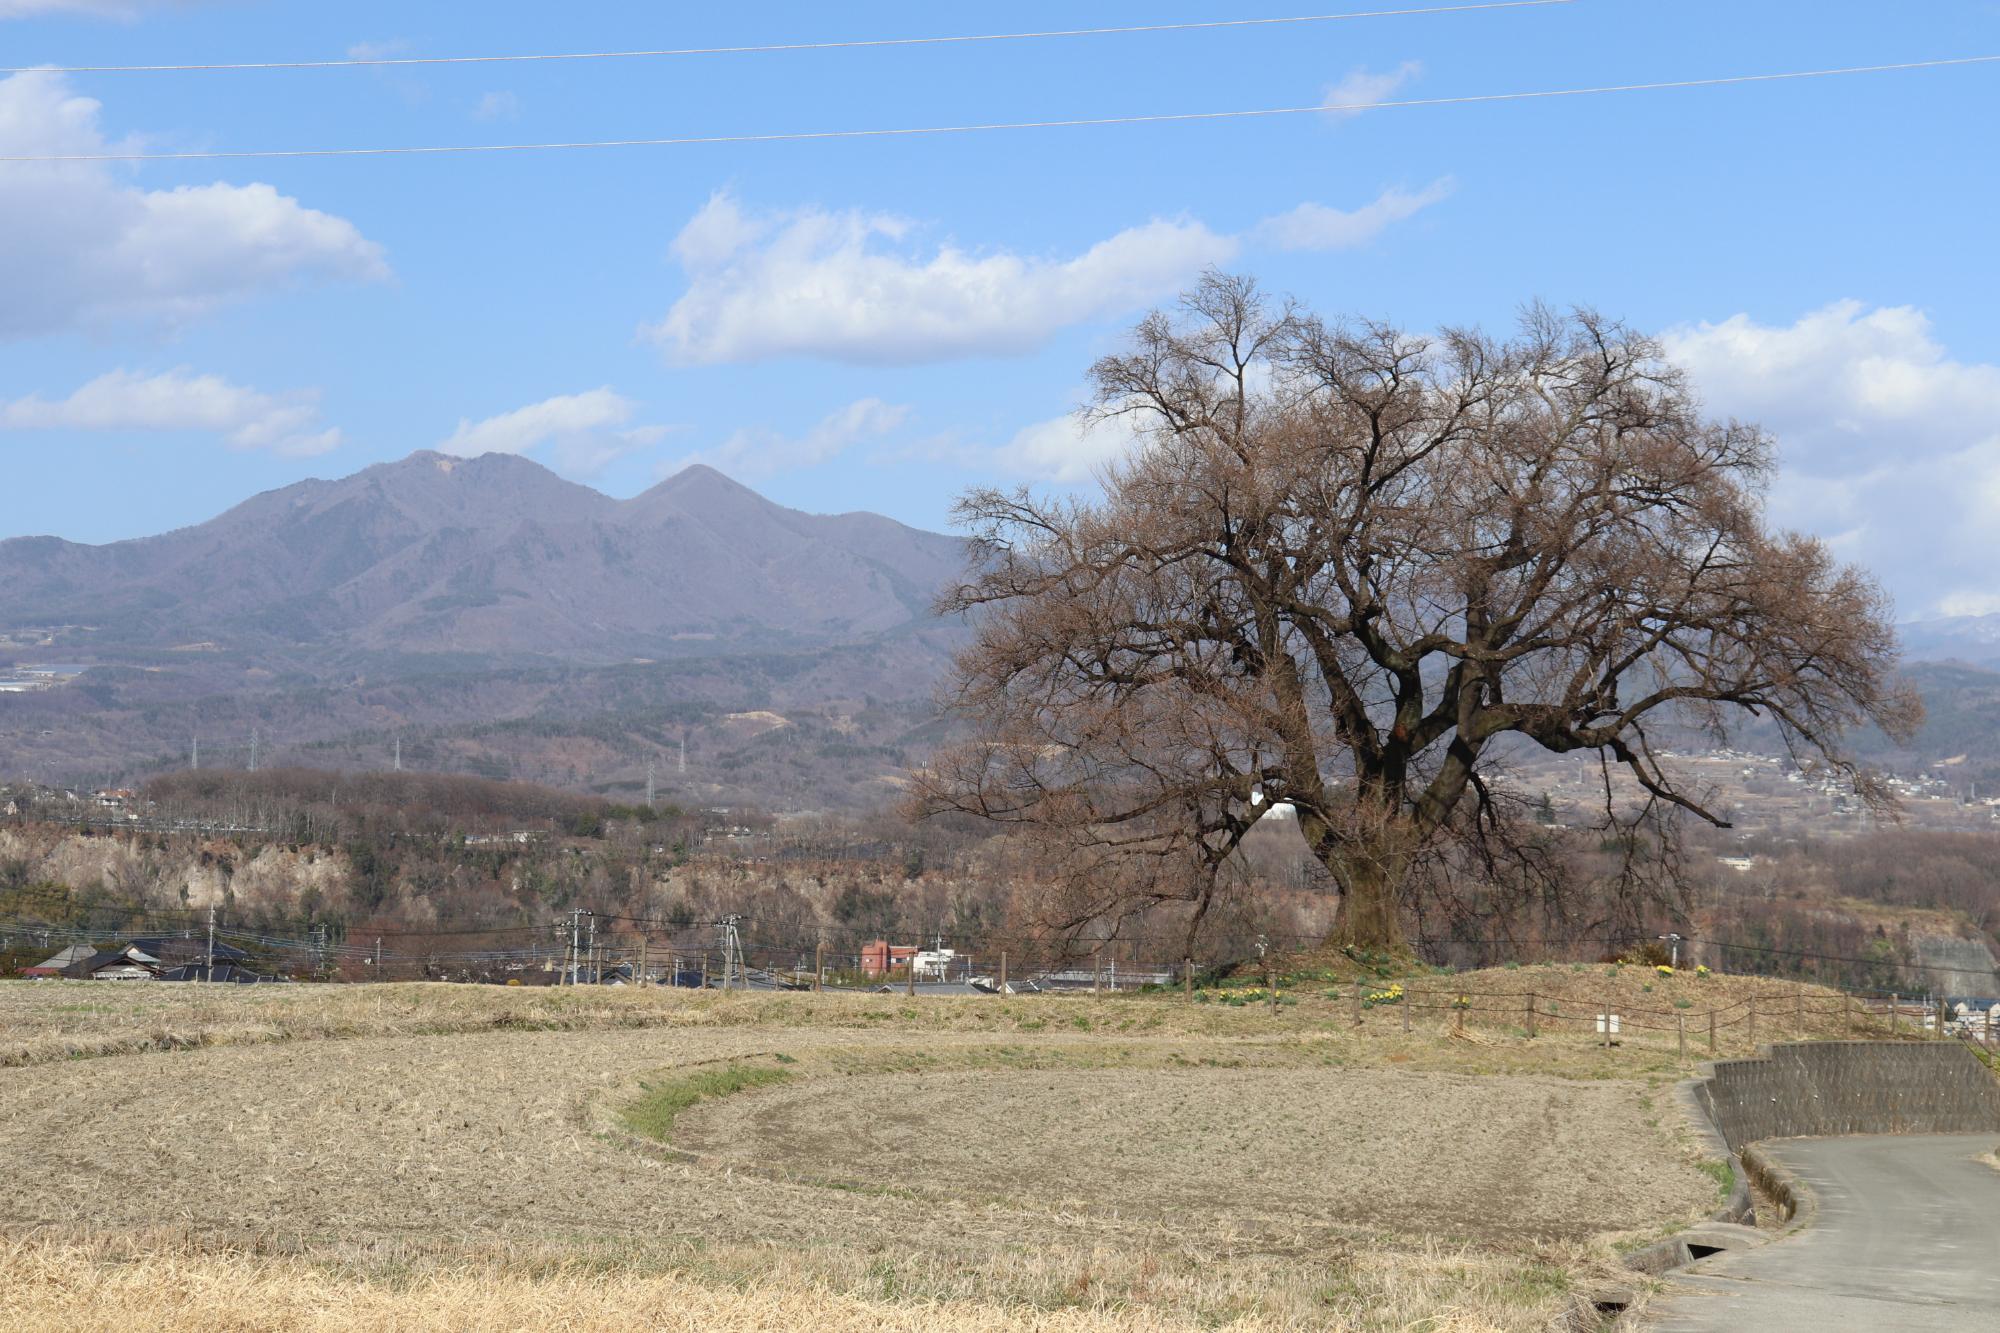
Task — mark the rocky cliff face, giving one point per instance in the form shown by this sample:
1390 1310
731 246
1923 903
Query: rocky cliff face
1956 966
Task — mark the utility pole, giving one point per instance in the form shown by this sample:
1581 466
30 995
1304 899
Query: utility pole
732 953
649 784
591 949
575 925
399 753
684 755
209 975
253 749
194 753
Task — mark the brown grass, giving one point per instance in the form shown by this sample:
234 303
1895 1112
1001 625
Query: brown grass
91 1283
44 1021
452 1156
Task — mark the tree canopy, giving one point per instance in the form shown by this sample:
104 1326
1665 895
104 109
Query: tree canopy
1346 567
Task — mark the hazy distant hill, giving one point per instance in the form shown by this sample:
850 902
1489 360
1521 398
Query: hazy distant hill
496 619
494 557
1971 639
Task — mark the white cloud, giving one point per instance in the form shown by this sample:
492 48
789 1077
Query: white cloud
850 286
83 249
1067 449
1848 380
1318 227
120 9
1353 94
1888 446
497 106
586 431
180 400
761 452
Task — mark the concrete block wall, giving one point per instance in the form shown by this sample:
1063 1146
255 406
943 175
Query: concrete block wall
1852 1087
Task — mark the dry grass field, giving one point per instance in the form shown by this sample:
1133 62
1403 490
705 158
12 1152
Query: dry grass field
468 1157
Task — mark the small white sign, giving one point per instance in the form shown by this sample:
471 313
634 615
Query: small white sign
1608 1023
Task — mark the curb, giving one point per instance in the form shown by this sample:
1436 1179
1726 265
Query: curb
1795 1200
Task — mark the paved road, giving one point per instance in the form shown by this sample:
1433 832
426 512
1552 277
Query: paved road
1907 1237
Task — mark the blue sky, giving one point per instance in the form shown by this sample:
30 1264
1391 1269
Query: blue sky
877 323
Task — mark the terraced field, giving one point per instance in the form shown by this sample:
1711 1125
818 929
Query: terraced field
850 1161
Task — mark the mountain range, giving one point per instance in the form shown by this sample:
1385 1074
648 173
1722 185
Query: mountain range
485 615
1973 640
493 557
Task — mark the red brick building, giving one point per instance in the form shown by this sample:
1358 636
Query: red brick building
881 956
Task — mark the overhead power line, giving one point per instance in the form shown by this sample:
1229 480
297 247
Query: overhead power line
363 62
794 136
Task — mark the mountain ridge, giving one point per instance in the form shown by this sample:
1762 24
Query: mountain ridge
493 554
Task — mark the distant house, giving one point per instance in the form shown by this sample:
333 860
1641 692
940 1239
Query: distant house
221 974
188 950
880 956
934 988
53 967
127 964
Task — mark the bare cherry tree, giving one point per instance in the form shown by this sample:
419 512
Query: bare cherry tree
1345 568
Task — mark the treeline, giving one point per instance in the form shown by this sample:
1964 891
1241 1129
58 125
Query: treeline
316 804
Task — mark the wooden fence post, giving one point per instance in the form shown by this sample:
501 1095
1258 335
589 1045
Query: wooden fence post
1531 1013
644 941
1681 1032
1406 1002
1753 1025
1187 978
1097 973
1357 1004
819 963
1711 1032
704 969
1271 985
1003 971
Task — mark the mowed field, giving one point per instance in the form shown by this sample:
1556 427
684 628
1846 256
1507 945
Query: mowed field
472 1157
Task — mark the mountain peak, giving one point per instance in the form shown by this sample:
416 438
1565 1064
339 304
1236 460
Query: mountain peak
700 478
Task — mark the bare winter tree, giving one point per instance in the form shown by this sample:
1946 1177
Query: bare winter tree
1346 568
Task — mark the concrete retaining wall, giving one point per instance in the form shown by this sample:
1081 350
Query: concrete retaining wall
1851 1087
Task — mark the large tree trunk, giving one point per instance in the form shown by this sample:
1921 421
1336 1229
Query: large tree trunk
1371 915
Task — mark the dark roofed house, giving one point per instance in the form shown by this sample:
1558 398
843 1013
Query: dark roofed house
127 964
184 950
222 973
54 967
